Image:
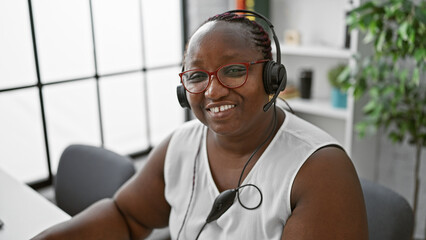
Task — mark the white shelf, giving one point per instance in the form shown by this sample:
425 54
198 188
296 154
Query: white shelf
315 51
319 107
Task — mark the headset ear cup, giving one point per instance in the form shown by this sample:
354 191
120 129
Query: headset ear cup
280 72
267 77
273 75
181 95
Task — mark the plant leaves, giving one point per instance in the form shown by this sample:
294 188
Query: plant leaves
393 73
352 19
371 105
344 76
402 30
420 13
369 37
381 41
416 76
420 54
363 7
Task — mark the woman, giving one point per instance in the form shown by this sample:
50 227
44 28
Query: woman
285 178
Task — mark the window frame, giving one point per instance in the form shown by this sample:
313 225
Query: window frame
144 70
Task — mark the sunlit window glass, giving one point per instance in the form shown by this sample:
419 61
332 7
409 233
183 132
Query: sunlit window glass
117 26
22 147
64 39
72 116
162 32
124 113
165 113
16 51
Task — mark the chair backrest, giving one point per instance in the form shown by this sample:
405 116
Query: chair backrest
87 174
390 217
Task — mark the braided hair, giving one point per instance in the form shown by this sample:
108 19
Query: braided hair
259 36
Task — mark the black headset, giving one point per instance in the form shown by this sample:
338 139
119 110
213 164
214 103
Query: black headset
274 73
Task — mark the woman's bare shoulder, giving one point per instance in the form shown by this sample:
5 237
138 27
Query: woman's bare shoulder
327 199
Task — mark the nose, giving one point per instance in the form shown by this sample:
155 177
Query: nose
215 90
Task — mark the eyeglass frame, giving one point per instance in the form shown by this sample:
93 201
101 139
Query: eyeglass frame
214 73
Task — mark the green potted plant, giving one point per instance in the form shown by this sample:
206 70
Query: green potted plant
393 76
338 93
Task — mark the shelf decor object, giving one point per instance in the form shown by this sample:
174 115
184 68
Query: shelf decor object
292 37
306 83
393 76
338 93
338 98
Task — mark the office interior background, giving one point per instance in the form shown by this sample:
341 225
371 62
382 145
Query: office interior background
104 73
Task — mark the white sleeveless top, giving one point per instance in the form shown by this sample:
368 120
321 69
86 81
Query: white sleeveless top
273 174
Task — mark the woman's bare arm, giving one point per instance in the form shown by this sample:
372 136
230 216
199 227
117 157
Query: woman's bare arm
142 199
100 221
137 208
327 200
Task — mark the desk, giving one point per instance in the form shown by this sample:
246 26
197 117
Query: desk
23 211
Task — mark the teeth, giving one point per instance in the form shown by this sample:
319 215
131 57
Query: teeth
221 108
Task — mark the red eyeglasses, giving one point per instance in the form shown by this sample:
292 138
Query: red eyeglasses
233 75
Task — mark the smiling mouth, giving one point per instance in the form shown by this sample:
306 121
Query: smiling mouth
221 108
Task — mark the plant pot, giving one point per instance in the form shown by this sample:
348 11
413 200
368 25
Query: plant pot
338 98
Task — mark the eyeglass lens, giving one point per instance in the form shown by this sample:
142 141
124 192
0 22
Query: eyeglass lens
232 76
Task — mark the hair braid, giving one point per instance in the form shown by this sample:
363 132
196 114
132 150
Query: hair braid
259 36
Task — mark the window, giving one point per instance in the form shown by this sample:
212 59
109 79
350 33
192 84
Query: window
98 72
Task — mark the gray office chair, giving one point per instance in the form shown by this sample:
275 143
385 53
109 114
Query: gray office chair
390 217
87 174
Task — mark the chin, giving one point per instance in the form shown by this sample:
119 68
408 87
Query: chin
224 129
